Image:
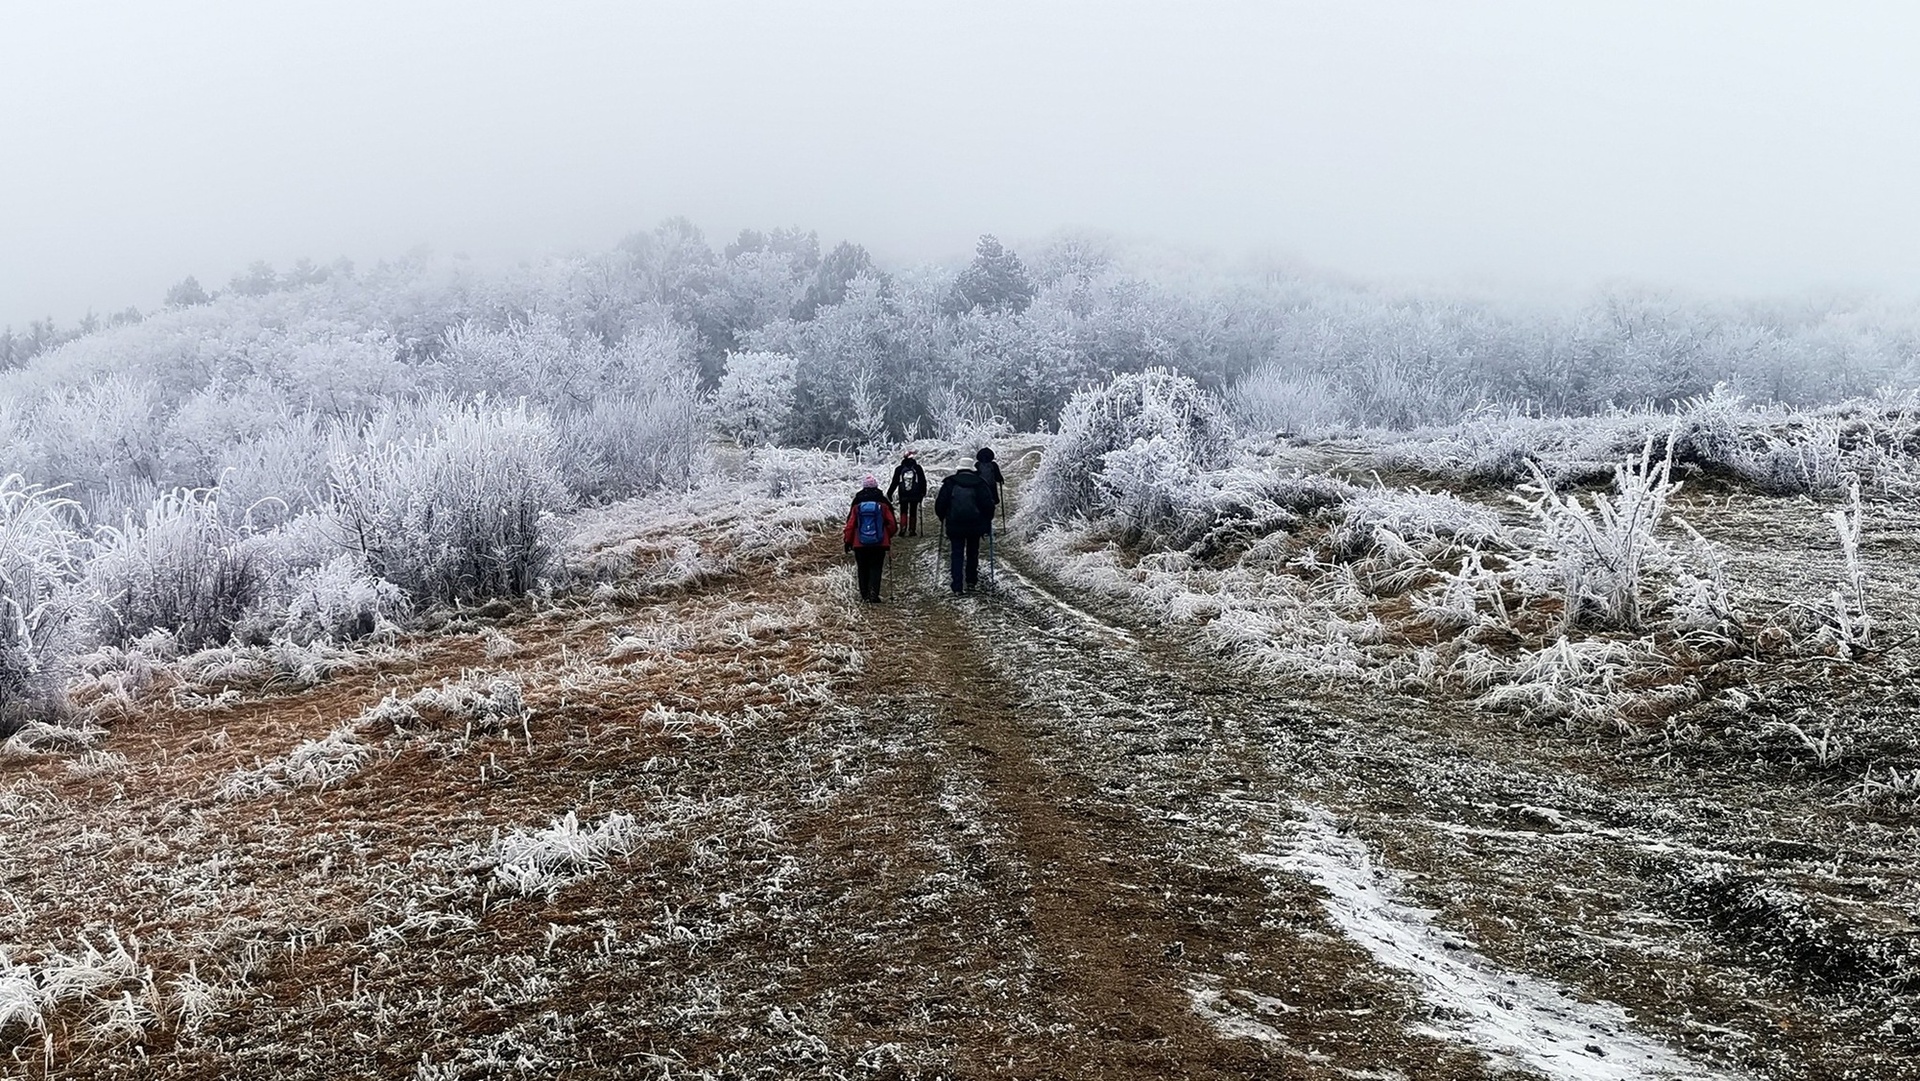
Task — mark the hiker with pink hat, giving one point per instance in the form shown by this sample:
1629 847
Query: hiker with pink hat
868 534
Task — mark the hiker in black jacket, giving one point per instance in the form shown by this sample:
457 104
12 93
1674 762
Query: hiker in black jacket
965 504
990 472
910 481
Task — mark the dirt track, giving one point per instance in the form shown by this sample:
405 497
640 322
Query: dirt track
1139 924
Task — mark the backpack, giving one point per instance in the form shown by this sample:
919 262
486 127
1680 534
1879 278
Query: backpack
913 483
869 525
967 506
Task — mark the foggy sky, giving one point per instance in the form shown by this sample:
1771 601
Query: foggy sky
1732 146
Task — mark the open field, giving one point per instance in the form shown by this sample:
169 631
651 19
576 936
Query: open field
711 817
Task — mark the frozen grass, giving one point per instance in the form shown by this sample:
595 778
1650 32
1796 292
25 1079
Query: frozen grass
450 718
540 862
1593 611
1769 448
41 557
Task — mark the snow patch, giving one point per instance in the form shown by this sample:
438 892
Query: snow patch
1527 1021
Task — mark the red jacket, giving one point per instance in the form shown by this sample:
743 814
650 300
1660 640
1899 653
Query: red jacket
849 533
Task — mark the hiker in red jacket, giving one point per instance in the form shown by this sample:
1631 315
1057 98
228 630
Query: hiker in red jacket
868 534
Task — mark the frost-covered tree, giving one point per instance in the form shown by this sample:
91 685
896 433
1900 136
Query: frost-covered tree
996 280
257 280
186 293
754 401
833 277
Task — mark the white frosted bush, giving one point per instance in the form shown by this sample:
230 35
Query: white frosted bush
1153 486
1274 399
41 558
341 600
461 512
624 444
181 568
269 479
538 359
1598 552
962 421
19 447
1168 426
105 437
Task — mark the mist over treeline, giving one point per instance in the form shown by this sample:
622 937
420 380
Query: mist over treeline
842 343
310 453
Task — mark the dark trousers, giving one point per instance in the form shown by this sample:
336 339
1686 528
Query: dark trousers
869 562
964 557
910 517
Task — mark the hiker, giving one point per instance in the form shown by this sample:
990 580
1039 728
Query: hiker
911 482
965 506
990 472
868 534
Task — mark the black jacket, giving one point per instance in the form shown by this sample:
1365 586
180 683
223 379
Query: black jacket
989 470
966 503
910 481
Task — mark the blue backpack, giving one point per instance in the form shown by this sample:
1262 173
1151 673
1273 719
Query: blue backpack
869 525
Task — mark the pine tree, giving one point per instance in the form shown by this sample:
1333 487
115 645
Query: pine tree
996 281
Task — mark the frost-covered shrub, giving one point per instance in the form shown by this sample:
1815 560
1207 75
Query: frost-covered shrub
1153 485
1809 459
625 444
755 397
19 446
538 359
340 600
181 568
200 430
1412 515
1713 431
1598 554
41 556
459 513
1168 430
275 475
1272 399
962 421
1248 507
105 437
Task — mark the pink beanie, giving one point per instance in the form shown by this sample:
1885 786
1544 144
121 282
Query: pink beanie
870 481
